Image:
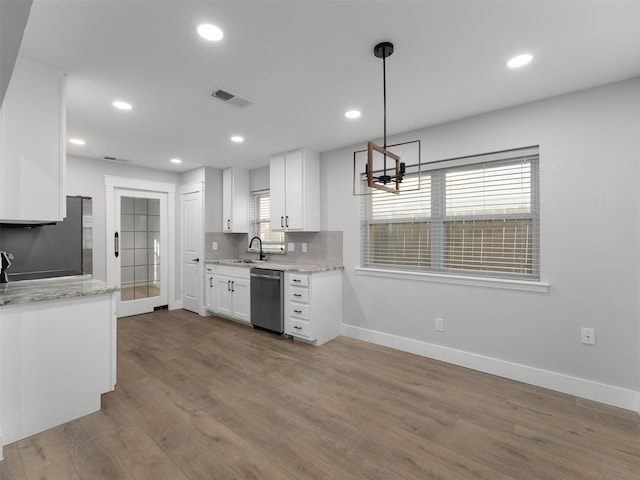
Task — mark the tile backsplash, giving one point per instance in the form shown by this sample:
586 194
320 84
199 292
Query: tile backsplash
323 248
228 245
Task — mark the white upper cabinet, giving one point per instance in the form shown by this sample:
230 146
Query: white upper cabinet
235 198
33 146
295 191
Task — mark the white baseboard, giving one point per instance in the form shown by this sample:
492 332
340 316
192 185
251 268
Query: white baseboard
599 392
175 305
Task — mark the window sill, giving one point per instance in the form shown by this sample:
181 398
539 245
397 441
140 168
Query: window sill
501 283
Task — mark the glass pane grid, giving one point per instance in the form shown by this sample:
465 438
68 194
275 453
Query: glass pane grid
140 248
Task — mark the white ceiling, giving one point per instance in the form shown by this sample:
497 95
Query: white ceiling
304 63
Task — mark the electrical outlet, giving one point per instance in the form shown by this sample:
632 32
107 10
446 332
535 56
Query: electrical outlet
439 322
214 245
588 336
304 248
291 247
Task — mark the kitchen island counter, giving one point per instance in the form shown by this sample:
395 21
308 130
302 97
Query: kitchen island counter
30 291
57 352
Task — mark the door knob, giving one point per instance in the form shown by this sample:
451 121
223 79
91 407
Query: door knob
195 260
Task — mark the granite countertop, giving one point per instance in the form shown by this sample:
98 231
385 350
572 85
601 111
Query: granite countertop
29 291
286 267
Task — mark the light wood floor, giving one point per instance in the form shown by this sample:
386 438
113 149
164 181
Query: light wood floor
205 398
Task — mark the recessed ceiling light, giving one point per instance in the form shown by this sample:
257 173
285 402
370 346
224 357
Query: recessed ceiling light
77 141
237 139
176 160
352 114
119 104
519 61
210 32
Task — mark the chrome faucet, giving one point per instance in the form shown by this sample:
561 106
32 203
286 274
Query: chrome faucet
262 255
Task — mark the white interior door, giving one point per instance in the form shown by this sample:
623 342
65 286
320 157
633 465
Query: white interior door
192 252
140 251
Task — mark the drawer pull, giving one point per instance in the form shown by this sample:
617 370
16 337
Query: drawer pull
298 311
297 280
297 294
297 327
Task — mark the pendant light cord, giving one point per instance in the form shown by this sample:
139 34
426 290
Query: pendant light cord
384 109
384 98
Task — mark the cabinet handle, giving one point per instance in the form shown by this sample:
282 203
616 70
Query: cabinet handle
211 282
297 280
282 222
297 327
116 244
228 285
298 311
286 223
232 287
228 224
297 294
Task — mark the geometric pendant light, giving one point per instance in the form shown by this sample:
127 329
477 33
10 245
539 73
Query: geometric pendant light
385 169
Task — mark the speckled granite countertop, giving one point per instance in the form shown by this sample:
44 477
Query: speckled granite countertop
287 267
29 291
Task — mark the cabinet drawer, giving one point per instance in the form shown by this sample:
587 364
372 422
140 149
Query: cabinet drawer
299 280
241 272
224 270
300 328
298 310
237 272
297 294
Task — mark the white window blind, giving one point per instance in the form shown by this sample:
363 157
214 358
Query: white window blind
260 222
476 217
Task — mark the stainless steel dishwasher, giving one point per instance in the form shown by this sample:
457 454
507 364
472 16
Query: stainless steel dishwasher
267 304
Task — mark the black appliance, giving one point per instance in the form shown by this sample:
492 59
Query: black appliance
267 304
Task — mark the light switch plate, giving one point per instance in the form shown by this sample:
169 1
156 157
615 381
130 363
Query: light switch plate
291 247
304 248
214 245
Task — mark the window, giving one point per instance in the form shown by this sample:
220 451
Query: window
472 216
260 222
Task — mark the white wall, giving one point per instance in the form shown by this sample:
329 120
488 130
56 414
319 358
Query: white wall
86 177
590 224
259 179
212 204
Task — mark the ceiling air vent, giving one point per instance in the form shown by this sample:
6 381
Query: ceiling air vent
114 159
230 98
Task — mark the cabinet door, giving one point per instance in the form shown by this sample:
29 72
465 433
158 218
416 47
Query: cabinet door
32 145
241 300
235 198
277 178
210 296
227 199
224 299
294 187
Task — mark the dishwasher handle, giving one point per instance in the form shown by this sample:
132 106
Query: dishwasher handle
268 277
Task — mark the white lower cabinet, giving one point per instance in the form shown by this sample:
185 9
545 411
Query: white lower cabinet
313 305
232 292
